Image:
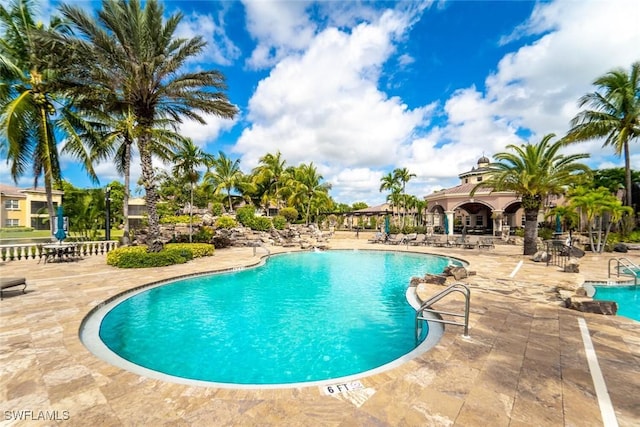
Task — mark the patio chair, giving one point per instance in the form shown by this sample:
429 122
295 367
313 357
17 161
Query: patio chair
398 239
10 282
486 243
438 241
410 238
377 238
419 240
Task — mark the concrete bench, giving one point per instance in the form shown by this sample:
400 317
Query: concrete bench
10 282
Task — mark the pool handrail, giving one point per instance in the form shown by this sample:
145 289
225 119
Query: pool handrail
632 268
426 306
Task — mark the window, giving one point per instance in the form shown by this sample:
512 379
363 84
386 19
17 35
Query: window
466 180
11 204
479 178
479 220
467 220
12 222
38 208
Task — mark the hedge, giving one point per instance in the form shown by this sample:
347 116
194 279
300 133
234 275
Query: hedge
173 253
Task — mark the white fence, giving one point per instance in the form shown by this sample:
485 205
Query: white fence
24 251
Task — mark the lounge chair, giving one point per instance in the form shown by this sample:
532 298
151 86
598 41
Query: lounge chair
378 238
398 239
486 243
409 238
419 240
10 282
438 241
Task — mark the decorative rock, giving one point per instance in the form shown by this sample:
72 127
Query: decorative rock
620 247
597 307
459 273
436 279
540 256
573 266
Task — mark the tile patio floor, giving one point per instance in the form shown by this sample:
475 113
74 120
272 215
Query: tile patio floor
524 363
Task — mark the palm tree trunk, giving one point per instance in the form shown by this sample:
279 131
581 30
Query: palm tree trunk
627 177
191 215
530 231
151 196
126 238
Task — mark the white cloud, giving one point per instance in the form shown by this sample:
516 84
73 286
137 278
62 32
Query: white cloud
324 106
219 48
280 28
201 134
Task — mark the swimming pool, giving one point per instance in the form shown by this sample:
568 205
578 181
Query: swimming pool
627 297
302 317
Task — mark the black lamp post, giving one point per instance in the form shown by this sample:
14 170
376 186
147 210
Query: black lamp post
107 225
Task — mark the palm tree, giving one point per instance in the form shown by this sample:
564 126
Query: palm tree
402 176
224 174
306 187
534 172
32 112
132 57
186 161
601 210
268 174
391 182
613 114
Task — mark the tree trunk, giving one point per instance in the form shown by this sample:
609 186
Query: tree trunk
151 196
530 231
627 177
126 238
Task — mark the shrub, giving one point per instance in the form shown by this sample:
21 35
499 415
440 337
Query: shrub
204 235
245 215
177 219
545 233
279 222
291 214
217 208
220 242
138 257
197 249
261 223
225 222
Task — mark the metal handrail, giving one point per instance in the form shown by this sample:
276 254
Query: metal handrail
258 244
426 306
633 269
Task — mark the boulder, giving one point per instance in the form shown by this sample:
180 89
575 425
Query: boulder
620 247
437 279
540 256
591 306
459 273
572 266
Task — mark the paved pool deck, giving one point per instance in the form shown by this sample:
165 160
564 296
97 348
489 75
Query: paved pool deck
525 362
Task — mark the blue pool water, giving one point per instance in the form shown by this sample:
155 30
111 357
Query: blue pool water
301 317
627 297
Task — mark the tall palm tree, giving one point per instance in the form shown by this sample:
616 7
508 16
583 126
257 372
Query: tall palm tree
186 160
32 111
613 114
402 176
391 183
268 174
132 56
306 186
224 174
534 171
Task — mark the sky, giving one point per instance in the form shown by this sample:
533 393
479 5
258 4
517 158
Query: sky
361 88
